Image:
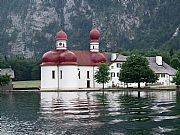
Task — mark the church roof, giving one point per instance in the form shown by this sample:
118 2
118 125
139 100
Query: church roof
81 58
85 58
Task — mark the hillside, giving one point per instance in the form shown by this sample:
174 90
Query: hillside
28 27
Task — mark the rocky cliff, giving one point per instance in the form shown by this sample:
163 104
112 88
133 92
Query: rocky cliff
28 27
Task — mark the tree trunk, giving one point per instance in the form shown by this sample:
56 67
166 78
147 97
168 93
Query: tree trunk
103 85
139 85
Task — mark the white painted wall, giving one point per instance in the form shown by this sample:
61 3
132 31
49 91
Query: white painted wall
63 45
171 79
47 82
83 76
115 80
94 47
70 78
113 56
165 81
159 60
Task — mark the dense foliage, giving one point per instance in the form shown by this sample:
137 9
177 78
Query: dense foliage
4 80
176 79
102 74
136 70
24 69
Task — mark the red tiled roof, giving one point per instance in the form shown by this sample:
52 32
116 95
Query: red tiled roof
85 58
59 57
61 35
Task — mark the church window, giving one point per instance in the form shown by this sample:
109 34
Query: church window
60 74
53 74
60 44
87 74
79 75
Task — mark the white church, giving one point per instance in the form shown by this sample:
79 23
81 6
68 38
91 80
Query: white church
64 69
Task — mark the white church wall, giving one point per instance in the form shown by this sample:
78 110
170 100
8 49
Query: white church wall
68 77
84 76
47 80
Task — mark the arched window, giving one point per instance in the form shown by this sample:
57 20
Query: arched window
60 44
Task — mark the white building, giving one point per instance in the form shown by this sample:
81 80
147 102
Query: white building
162 69
64 69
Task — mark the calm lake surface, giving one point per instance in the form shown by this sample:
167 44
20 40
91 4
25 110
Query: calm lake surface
90 113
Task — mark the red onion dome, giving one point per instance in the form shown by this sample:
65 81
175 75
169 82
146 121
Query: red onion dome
68 57
50 58
97 57
61 35
94 35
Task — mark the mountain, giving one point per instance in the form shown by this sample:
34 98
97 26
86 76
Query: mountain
28 27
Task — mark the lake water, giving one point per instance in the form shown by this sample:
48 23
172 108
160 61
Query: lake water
90 113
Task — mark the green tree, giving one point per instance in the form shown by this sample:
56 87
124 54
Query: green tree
136 70
175 63
102 74
176 79
4 79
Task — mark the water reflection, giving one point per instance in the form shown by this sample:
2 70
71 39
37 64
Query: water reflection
124 112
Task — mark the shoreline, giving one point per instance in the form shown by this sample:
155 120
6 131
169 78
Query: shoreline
89 90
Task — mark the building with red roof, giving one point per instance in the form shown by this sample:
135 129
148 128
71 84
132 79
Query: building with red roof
71 69
64 69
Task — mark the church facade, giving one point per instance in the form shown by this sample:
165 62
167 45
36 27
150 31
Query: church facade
64 69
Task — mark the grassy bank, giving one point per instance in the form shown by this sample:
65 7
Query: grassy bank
26 84
164 87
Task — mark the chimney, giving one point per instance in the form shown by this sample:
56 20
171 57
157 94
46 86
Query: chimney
159 60
113 56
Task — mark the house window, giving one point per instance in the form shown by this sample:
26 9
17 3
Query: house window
112 74
87 74
112 67
119 65
163 75
60 74
53 74
118 74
